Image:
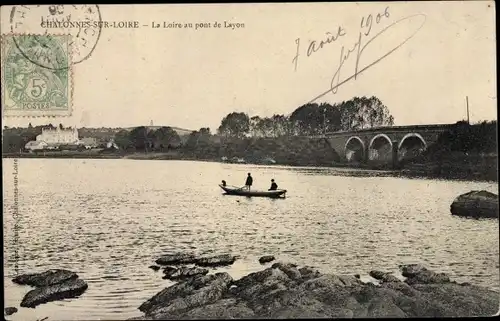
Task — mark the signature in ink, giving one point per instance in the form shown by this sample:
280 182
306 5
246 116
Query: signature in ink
361 45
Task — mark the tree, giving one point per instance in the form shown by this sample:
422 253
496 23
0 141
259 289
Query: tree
362 113
254 126
354 114
199 138
141 138
266 127
165 138
307 119
280 125
327 118
122 140
235 125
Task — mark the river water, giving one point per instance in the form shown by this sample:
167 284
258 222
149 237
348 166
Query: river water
108 220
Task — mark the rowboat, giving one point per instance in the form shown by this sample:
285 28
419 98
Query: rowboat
243 192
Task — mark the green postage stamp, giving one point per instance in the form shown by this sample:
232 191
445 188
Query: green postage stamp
37 79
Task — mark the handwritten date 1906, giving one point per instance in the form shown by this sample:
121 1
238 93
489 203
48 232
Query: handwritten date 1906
366 27
315 46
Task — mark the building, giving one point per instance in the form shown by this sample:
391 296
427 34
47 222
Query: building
88 142
112 144
53 138
36 145
58 136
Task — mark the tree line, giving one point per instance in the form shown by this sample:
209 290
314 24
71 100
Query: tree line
307 120
310 119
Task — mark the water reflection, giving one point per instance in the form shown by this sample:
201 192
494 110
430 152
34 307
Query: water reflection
108 219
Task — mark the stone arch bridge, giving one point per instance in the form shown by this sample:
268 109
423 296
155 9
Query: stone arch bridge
384 144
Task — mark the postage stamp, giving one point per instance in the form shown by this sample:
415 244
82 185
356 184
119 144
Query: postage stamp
30 90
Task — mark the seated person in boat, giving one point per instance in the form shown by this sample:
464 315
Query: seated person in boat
274 186
249 181
224 183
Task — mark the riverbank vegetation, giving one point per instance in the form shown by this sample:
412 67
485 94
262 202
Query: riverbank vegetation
465 151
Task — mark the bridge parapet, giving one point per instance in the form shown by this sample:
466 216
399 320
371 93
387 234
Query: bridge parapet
388 129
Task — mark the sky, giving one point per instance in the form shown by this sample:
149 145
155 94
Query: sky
192 78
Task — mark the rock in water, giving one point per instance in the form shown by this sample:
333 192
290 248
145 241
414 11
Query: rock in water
67 289
266 258
46 278
177 258
418 274
476 204
217 260
10 310
154 267
183 272
383 276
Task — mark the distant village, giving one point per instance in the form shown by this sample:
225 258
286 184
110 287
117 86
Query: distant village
57 138
54 138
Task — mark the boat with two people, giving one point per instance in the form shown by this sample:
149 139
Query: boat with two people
273 192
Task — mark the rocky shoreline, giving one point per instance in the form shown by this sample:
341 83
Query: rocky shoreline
285 290
281 290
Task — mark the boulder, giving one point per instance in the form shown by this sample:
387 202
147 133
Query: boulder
222 309
266 259
186 295
258 285
183 272
418 274
216 260
289 269
308 272
176 258
67 289
10 310
476 204
46 278
384 276
154 267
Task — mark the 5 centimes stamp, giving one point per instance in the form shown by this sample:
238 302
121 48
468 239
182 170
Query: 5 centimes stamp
28 89
82 22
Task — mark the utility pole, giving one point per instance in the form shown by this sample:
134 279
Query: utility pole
324 122
467 102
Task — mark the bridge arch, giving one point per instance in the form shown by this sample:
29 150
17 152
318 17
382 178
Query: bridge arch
406 147
353 139
380 152
377 137
412 135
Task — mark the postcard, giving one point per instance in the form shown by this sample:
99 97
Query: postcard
264 160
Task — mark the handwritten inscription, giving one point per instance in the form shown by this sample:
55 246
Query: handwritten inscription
367 26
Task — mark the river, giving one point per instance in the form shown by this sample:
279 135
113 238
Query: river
108 220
